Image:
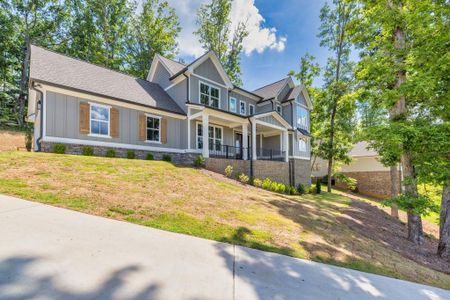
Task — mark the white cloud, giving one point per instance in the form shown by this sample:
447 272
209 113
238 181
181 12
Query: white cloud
260 37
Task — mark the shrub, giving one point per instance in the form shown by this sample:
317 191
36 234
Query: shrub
167 157
229 171
243 178
349 182
301 189
273 186
281 188
312 189
131 154
88 151
28 139
110 153
59 148
257 182
318 187
149 156
266 184
291 190
199 161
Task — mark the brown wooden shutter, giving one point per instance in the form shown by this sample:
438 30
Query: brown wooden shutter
142 127
84 117
114 123
163 130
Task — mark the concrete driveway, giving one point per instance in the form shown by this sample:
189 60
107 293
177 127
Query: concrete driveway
53 253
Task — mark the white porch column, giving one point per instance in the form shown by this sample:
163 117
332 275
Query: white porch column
189 128
254 141
245 141
286 145
205 126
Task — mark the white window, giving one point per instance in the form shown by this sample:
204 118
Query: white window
302 117
242 108
209 95
233 104
99 119
251 109
153 129
279 110
301 145
214 135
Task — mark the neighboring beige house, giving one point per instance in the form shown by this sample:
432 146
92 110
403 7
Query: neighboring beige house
373 177
181 110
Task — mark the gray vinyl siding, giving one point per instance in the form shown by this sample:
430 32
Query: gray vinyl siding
271 120
62 120
287 113
195 92
264 108
208 70
179 94
246 100
162 76
301 99
283 92
272 142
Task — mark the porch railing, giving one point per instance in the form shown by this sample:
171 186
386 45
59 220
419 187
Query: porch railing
232 152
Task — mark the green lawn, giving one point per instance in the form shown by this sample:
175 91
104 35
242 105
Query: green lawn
204 204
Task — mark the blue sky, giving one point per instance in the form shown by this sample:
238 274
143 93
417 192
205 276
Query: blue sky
280 33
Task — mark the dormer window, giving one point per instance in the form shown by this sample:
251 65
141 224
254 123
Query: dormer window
279 110
209 95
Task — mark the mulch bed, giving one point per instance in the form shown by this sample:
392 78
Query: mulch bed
376 224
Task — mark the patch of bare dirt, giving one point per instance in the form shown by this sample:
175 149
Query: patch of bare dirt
376 224
10 140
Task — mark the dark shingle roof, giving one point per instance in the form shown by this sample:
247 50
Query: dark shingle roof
53 68
293 93
271 90
173 66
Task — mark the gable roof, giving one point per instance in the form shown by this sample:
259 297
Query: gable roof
52 68
172 66
293 93
271 90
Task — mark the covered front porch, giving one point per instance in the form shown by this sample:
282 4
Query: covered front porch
232 136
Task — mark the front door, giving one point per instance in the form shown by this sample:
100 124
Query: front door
238 145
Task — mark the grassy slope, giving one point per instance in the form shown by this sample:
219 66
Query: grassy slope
204 204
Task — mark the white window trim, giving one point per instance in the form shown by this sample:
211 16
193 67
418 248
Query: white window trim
235 104
249 110
281 109
307 125
210 125
146 128
209 85
107 136
245 108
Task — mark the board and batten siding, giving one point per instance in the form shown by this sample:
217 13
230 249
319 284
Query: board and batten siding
195 91
271 120
162 76
63 120
179 94
239 98
208 70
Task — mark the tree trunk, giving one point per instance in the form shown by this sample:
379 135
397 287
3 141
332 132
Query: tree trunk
415 231
394 189
444 227
21 99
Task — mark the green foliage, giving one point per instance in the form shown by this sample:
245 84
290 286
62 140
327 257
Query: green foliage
131 154
149 156
418 205
59 148
199 161
350 182
318 187
257 182
110 153
214 32
243 178
291 190
87 151
28 139
266 184
229 171
167 157
301 189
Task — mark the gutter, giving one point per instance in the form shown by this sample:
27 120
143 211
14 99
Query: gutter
250 153
41 123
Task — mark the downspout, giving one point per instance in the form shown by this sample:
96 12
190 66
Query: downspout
41 125
187 88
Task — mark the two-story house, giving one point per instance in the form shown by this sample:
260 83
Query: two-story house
181 110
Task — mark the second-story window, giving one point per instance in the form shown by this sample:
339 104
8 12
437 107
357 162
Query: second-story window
302 117
242 108
233 104
209 95
279 110
251 109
